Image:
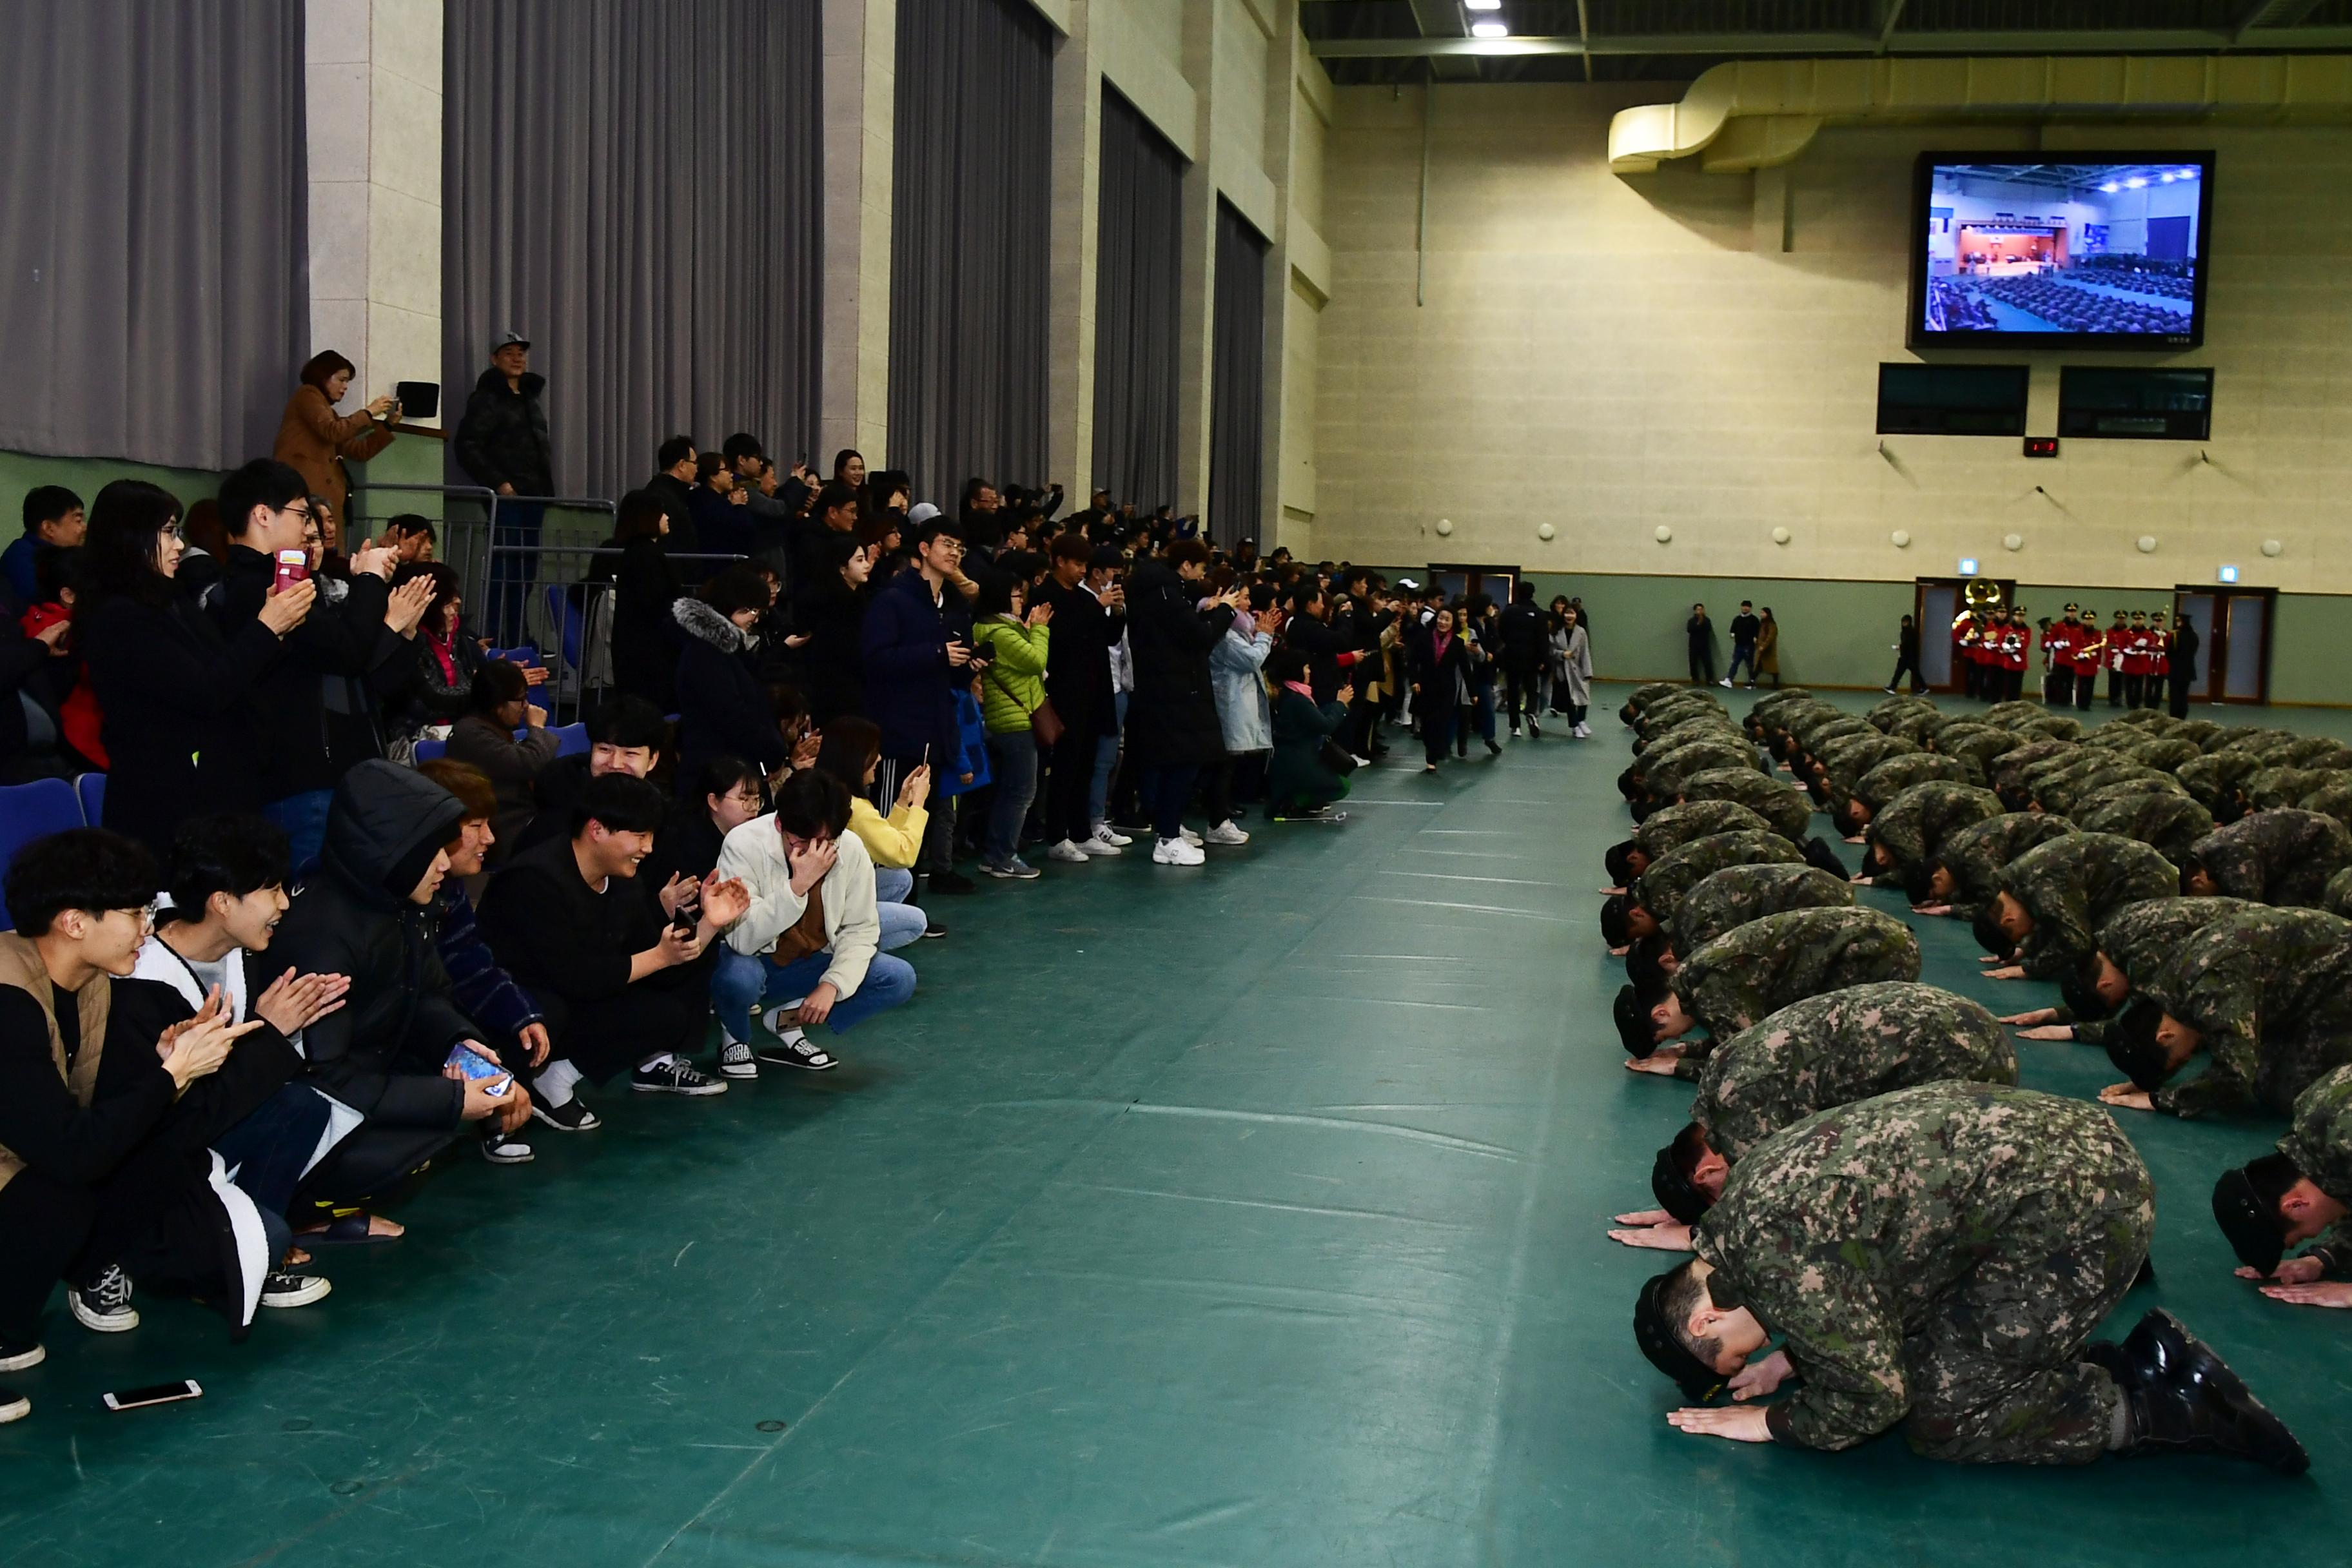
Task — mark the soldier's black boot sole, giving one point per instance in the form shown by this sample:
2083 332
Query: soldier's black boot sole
2186 1400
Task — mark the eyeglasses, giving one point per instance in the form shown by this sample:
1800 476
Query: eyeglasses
302 511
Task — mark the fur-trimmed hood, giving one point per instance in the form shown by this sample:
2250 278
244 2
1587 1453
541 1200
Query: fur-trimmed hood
703 624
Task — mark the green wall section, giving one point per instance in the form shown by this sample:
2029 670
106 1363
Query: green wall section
410 459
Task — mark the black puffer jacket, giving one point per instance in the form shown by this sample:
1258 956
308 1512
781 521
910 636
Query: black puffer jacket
285 715
502 439
723 709
382 1053
1172 720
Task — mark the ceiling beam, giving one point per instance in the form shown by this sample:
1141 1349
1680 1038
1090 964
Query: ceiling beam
2120 41
1443 19
1889 12
2272 14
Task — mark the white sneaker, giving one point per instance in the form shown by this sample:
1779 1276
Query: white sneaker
1176 852
1225 833
1112 835
1067 852
1092 848
1725 682
1361 762
1189 836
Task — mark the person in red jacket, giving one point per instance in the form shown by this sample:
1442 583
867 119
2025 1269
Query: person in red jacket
2016 640
2134 662
2089 652
1968 629
2058 640
2118 645
2159 661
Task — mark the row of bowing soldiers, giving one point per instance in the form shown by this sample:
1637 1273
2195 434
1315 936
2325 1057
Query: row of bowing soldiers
1886 1230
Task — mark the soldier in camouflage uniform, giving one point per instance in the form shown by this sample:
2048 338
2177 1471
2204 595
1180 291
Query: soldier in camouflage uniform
1831 766
1732 896
1654 893
1936 1259
2067 794
1854 807
1645 695
1908 832
2337 899
1761 967
1828 1050
1788 810
2010 773
2167 821
1670 828
2052 901
1968 868
2333 798
2302 1191
2281 858
2137 941
2214 778
2267 995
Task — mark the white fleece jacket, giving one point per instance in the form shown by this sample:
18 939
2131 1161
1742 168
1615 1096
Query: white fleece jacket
755 852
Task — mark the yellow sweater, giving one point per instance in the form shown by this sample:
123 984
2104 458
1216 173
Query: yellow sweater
894 840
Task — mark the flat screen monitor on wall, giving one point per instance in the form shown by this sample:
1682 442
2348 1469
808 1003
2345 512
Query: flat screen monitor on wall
2105 250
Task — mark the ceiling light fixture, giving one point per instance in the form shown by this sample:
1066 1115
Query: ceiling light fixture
1483 4
2137 182
1489 30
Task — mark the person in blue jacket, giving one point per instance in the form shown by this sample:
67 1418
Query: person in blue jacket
918 650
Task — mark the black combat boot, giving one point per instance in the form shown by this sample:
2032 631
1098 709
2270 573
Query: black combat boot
2184 1400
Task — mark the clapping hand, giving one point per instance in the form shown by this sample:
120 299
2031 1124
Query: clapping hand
293 1004
1040 614
806 749
679 890
723 901
403 611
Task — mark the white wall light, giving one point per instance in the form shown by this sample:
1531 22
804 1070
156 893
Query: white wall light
2014 542
2148 545
1661 533
1779 536
2273 548
1546 532
1444 527
1901 538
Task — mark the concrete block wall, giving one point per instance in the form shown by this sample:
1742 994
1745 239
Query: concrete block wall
1700 351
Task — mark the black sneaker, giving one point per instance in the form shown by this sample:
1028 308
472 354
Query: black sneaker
16 1358
951 882
505 1148
14 1406
675 1076
103 1305
1493 750
797 1051
282 1290
735 1060
572 1116
932 929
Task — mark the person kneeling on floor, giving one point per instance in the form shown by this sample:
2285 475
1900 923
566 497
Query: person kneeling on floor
2301 1192
810 938
621 969
84 1187
1936 1259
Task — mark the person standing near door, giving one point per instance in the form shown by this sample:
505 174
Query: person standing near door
1906 657
2184 665
1744 629
1700 633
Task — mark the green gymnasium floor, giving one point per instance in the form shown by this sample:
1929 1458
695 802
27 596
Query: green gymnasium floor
1250 1216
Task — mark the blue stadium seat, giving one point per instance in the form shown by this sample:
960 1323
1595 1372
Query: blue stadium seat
429 750
571 740
570 624
91 789
31 811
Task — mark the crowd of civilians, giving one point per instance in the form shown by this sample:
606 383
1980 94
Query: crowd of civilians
345 908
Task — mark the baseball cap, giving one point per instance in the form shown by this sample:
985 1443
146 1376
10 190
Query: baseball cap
921 513
510 339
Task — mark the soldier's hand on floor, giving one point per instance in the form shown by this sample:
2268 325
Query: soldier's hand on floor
2032 1016
2290 1271
2006 972
2131 1097
1740 1423
1858 881
2048 1032
2335 1293
1660 1062
1759 1378
1931 909
1619 952
1671 1237
1643 1217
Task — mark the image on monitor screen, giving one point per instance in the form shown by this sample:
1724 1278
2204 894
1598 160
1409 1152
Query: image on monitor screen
2023 249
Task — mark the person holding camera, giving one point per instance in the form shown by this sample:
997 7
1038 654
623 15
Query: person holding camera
315 442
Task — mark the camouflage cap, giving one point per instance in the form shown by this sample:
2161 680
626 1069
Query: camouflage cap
1664 1347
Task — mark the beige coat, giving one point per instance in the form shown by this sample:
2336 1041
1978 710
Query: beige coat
315 442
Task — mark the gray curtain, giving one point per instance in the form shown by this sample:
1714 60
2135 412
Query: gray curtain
155 245
635 186
1137 305
1237 382
971 230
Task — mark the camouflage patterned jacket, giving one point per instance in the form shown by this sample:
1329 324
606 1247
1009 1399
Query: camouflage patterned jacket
1764 965
2333 798
1788 810
2141 938
2066 793
1914 825
2215 776
1978 855
2071 886
2269 992
1660 889
2164 752
1981 746
2337 899
1737 894
1665 775
1896 775
1844 1233
2165 820
2014 768
2267 789
1670 827
1835 1050
2319 1142
1848 757
2282 856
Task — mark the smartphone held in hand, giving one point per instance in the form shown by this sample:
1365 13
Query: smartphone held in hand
293 566
471 1063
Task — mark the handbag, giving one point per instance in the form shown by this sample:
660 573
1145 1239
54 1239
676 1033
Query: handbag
1044 723
1336 757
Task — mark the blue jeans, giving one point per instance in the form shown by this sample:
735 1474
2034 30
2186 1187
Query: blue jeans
1014 756
1106 759
892 884
739 983
901 921
1741 653
514 560
303 819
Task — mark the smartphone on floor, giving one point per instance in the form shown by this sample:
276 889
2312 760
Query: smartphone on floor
158 1394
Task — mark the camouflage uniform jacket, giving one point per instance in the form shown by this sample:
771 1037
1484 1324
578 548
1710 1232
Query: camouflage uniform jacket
2068 790
1737 894
2164 752
2269 992
1847 1232
1831 1050
1764 965
1885 711
2141 938
2072 884
1669 828
1849 757
1896 775
2165 820
1664 775
2319 1142
2337 899
2267 789
1672 727
1660 889
2014 767
1914 825
2332 799
1978 855
2212 777
1787 809
2281 857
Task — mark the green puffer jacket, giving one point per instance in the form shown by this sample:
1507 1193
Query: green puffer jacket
1014 682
